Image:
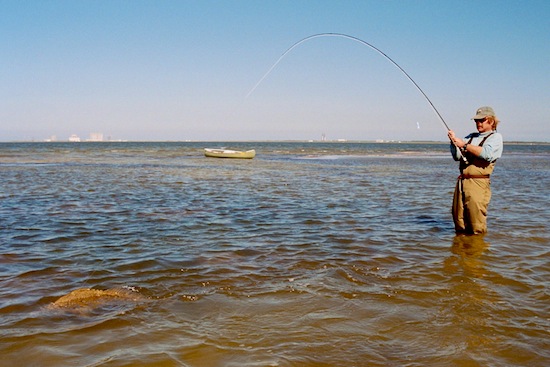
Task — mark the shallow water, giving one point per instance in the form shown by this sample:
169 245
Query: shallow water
308 255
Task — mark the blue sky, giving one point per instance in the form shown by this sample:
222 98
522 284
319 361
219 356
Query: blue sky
180 70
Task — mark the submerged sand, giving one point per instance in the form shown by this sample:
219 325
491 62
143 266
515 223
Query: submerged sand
84 300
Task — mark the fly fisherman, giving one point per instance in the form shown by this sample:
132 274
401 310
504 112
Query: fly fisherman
473 188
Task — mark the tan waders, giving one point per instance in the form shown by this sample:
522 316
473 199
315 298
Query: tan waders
472 194
471 200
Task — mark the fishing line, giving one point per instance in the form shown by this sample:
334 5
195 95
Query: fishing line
362 42
342 35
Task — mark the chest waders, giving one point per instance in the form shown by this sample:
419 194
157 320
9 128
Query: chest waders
472 194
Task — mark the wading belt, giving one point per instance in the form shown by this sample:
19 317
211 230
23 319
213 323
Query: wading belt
466 176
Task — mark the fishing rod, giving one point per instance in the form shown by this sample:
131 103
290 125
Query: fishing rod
342 35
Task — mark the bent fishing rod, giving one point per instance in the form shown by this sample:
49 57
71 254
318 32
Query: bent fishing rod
342 35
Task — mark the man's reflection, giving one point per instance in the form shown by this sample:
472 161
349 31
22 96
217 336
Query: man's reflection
469 249
469 246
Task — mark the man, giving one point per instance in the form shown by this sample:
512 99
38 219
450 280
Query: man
477 155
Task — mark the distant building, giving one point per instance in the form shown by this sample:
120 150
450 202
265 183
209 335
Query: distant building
74 138
96 137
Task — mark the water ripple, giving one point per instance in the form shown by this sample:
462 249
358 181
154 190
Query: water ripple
308 255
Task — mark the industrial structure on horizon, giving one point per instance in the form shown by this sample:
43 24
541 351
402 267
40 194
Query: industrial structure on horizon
74 138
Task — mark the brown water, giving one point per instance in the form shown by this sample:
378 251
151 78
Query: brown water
308 255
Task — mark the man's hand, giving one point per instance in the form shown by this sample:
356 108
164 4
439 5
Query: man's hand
456 141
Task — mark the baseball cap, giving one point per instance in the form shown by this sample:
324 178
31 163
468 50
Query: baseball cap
483 112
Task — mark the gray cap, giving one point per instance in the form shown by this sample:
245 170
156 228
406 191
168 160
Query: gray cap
483 112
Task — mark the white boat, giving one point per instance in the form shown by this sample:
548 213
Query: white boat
228 153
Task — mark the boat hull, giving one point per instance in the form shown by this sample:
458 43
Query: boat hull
227 153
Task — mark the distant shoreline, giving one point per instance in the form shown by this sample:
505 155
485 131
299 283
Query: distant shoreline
260 141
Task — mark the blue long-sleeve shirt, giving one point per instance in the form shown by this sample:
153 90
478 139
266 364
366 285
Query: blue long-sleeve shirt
491 149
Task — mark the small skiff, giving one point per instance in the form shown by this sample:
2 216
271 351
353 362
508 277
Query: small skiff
227 153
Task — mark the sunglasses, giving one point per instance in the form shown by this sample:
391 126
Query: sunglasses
480 120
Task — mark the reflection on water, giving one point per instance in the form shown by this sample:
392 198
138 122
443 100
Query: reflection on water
474 303
469 246
308 255
469 249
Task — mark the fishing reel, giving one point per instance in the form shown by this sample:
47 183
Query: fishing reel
462 155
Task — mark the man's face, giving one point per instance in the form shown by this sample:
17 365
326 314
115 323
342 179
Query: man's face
483 125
